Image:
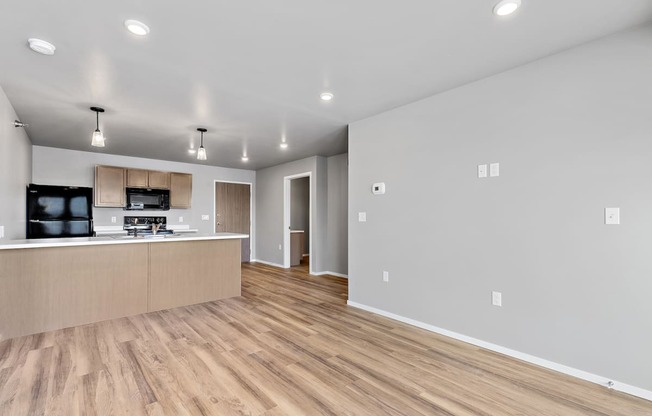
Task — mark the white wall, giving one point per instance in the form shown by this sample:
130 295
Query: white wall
53 166
573 134
15 171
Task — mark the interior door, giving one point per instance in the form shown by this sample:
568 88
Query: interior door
233 212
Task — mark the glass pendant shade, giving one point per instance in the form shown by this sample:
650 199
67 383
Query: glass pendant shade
98 139
201 153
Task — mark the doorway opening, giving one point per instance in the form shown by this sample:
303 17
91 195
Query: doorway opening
297 221
233 202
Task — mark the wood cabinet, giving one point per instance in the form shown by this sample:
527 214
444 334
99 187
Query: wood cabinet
110 186
180 190
49 288
159 180
141 178
137 178
296 247
111 181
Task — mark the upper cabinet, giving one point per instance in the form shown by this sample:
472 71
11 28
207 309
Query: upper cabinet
180 190
111 183
110 186
160 180
141 178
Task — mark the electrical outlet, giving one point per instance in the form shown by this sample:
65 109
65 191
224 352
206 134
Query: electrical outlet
114 220
180 219
362 216
612 216
497 298
2 231
205 217
385 276
280 246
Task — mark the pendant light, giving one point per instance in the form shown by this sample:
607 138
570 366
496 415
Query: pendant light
201 152
98 137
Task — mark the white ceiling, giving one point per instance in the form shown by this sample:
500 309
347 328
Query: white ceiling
252 70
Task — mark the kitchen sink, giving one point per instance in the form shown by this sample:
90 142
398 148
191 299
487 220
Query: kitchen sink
146 237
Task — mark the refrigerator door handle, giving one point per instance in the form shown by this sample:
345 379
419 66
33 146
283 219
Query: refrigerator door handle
34 220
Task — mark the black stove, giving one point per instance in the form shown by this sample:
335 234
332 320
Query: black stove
145 225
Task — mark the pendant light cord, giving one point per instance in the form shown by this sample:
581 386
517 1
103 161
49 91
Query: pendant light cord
97 120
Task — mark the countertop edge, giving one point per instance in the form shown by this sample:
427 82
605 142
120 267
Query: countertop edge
97 241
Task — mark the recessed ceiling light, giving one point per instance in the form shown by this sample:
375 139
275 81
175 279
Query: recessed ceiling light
284 145
41 46
326 96
245 159
505 7
136 27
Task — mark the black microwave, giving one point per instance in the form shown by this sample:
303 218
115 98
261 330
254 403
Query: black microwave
142 199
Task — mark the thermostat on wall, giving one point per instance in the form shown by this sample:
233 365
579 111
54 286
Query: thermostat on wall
378 188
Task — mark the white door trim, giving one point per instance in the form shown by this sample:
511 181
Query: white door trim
286 218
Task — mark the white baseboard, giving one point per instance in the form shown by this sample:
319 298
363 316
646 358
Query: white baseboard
346 276
603 381
269 263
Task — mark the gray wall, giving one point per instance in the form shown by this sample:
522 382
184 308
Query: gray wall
53 166
338 226
300 209
269 215
573 134
15 171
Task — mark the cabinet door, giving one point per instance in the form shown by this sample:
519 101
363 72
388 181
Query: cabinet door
110 186
137 178
180 190
159 180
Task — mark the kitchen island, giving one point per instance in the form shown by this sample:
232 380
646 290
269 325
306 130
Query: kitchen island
58 283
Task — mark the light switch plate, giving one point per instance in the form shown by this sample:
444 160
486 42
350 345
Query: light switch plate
385 276
362 216
497 298
114 220
205 217
612 216
2 231
180 219
494 170
482 171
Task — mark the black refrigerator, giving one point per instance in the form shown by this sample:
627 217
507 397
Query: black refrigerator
59 211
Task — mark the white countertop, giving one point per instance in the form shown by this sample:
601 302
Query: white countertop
94 241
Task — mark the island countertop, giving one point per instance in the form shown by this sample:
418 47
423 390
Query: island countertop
94 241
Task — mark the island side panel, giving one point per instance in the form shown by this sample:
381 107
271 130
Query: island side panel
188 272
43 289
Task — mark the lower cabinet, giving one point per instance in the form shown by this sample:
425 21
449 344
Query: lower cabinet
44 289
296 247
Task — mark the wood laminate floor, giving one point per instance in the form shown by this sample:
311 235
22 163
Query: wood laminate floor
288 346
